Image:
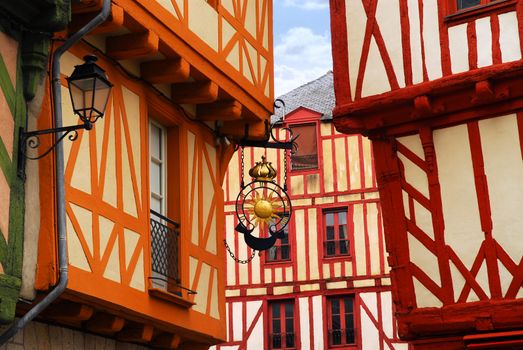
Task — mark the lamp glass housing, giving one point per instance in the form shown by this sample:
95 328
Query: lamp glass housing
89 90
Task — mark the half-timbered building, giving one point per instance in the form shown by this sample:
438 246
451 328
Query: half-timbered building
140 194
437 87
326 284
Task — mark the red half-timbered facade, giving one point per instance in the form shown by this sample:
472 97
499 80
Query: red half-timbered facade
437 86
326 286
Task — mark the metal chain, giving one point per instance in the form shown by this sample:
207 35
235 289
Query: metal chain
240 261
242 183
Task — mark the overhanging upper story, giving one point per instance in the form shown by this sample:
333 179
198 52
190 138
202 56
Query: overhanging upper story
405 61
212 57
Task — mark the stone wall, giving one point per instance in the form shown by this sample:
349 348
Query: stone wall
41 336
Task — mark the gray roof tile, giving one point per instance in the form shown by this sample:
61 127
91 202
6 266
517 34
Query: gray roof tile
316 95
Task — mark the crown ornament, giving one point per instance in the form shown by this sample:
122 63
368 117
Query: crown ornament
263 171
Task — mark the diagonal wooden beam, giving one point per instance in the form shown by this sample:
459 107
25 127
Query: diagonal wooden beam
195 92
166 71
132 45
136 332
166 341
223 110
112 24
105 323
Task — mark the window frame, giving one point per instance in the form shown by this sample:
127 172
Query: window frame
348 233
270 319
290 242
329 326
485 8
316 169
164 165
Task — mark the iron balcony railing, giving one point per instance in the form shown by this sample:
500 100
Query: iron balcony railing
165 253
341 336
336 247
282 341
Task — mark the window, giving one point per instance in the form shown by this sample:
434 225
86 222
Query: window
164 231
306 157
157 166
336 236
463 4
281 250
341 321
282 325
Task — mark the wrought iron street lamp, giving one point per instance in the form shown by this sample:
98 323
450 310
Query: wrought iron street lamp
89 89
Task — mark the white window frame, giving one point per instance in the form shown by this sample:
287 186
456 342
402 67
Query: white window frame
162 197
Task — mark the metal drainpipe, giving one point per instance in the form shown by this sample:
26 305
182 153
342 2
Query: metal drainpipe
59 168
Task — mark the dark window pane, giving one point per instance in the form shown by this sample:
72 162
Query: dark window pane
289 325
349 336
289 340
336 337
330 233
348 305
344 247
289 310
342 229
335 306
276 326
276 341
463 4
276 310
336 322
285 252
331 248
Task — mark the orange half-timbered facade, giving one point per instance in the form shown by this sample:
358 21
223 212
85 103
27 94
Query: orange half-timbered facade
436 85
143 188
326 284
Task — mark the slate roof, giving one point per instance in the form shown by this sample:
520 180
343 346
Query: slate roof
316 95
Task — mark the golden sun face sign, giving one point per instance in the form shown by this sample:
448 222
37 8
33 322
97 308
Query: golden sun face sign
263 208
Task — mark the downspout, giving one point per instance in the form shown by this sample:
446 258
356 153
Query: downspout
60 189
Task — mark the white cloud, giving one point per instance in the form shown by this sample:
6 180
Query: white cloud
300 57
307 4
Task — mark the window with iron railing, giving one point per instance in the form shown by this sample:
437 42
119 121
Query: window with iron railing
165 252
341 321
282 327
336 241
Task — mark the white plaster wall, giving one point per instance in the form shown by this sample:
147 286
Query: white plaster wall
459 59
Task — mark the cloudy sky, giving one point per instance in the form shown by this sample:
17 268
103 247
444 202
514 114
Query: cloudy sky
302 44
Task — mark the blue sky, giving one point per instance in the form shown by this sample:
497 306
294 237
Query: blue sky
302 48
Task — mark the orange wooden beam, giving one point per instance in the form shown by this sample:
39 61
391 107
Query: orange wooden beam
195 92
132 45
70 312
105 323
236 130
223 110
112 24
135 332
84 6
166 341
166 71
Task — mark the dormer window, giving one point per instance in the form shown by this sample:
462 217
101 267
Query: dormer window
306 158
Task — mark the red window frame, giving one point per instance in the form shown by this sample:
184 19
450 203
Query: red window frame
281 318
341 330
299 141
456 15
336 243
